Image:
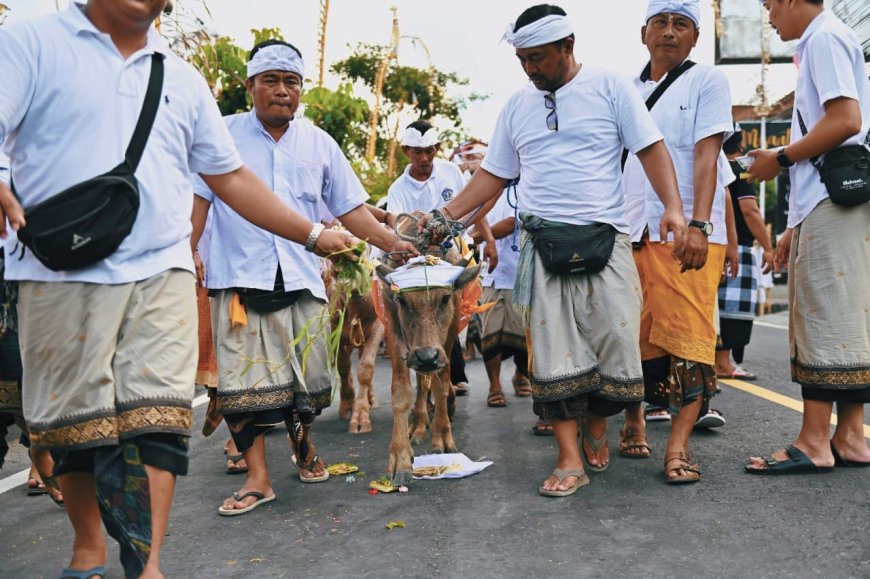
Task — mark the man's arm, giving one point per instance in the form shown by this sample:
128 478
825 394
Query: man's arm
732 253
659 169
483 187
198 220
361 222
755 222
705 179
842 119
248 196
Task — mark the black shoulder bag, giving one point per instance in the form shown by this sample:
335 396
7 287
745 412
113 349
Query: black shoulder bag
659 91
845 171
86 223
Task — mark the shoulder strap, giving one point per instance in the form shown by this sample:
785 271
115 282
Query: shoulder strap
815 160
660 90
147 115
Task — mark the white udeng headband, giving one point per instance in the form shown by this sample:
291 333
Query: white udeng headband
276 57
544 31
413 138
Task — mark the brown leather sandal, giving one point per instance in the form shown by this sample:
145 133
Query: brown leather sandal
676 461
633 444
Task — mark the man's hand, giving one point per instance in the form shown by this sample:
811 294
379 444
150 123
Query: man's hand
199 267
765 167
696 250
10 209
767 261
490 253
783 247
332 242
674 221
732 260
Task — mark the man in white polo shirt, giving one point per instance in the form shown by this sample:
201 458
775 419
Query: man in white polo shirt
826 245
678 336
109 350
428 183
564 133
277 281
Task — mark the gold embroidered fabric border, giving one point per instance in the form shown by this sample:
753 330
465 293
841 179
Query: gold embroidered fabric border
832 377
591 381
503 340
10 396
109 429
684 346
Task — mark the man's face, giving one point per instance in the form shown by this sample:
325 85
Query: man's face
276 96
780 18
129 13
421 158
547 66
669 37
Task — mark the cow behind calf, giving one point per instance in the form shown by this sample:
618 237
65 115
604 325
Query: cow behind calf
421 326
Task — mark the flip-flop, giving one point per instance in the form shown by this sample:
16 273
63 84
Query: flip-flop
665 416
796 463
631 440
261 499
597 444
70 573
738 374
582 480
304 455
235 459
496 400
543 428
713 419
461 388
35 487
522 387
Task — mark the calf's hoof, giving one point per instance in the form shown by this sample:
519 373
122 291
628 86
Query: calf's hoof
402 478
357 427
345 409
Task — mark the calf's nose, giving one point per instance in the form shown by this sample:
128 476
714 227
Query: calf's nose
424 359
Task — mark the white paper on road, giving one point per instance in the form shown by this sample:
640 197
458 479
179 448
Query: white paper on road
458 465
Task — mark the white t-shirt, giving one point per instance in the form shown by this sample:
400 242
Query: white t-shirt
505 272
572 174
407 194
831 65
68 105
697 105
308 171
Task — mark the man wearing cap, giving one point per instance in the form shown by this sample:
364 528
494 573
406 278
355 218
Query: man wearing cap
678 337
269 303
825 245
428 183
565 133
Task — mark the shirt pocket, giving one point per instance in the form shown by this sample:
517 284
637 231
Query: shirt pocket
306 182
684 124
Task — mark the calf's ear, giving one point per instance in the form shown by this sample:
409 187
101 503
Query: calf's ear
467 276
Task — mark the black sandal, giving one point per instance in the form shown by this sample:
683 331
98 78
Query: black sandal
797 463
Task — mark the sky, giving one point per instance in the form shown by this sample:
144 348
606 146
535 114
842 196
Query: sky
462 36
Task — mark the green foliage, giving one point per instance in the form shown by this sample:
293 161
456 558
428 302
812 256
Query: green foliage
341 114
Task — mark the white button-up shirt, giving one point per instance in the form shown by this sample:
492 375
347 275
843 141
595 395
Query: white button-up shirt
504 274
572 175
831 65
68 105
308 171
697 105
407 194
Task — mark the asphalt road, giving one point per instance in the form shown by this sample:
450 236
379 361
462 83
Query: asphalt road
627 523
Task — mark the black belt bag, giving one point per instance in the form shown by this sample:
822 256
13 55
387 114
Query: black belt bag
845 171
86 223
571 249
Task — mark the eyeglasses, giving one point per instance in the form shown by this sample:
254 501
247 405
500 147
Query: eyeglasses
550 105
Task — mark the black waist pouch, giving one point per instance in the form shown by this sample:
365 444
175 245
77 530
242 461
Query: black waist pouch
268 301
845 171
84 223
571 249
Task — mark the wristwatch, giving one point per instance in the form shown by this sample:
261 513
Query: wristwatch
783 159
706 227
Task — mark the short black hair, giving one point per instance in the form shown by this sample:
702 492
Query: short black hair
537 12
272 42
422 126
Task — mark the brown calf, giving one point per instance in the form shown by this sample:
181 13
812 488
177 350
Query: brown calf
421 326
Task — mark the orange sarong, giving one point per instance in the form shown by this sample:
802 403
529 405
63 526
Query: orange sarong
678 308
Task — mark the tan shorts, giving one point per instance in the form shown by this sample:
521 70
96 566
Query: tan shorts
107 362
